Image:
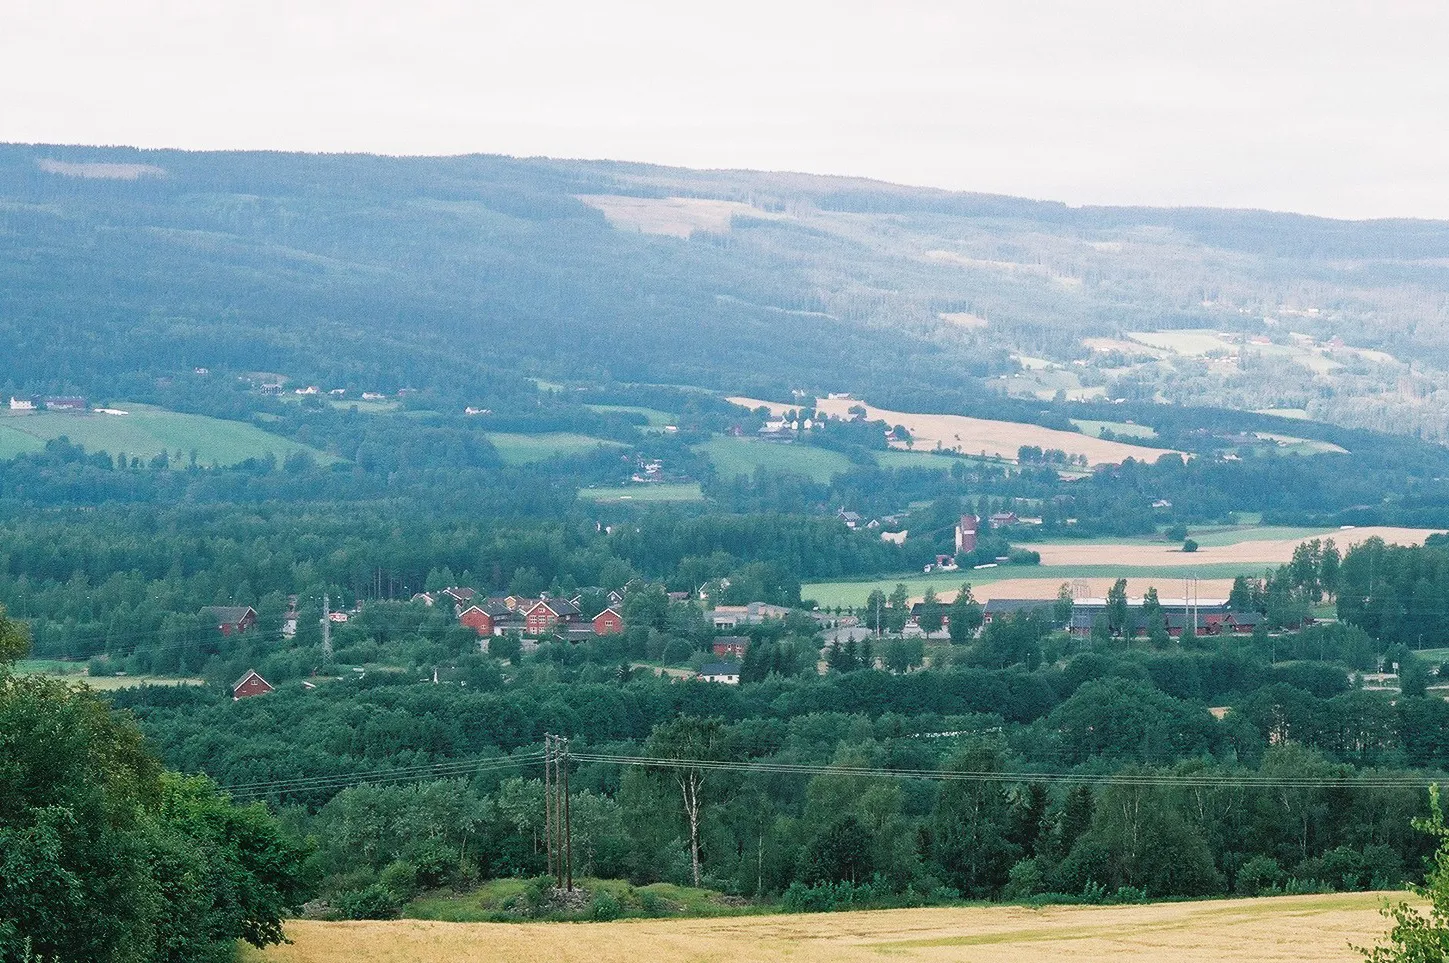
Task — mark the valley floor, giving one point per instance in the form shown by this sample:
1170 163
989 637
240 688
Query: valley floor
1291 928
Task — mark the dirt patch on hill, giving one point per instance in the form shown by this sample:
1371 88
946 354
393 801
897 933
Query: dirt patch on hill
674 216
97 171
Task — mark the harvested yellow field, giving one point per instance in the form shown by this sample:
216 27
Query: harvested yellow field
675 216
971 436
1266 552
1281 930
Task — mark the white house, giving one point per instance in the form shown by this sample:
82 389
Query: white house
726 673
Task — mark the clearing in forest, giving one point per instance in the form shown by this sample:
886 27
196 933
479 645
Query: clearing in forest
517 449
1283 929
674 216
657 492
972 436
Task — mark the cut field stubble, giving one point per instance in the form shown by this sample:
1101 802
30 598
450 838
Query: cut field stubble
1281 929
973 436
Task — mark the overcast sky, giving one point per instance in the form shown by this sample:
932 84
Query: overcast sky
1317 106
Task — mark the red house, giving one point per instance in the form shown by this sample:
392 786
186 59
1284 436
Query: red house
491 617
545 615
731 647
608 622
249 685
477 620
230 619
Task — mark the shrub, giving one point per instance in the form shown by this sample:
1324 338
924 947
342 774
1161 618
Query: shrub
374 902
401 878
1024 880
604 907
436 866
1258 875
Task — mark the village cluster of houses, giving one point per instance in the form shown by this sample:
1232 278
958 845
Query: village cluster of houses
538 618
529 617
64 403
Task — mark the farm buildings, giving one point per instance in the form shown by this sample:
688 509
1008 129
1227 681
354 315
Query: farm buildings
496 615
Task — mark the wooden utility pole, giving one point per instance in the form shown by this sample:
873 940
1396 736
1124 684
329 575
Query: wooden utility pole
568 834
326 630
557 812
548 799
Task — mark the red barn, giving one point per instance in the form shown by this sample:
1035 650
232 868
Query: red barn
230 619
250 684
608 622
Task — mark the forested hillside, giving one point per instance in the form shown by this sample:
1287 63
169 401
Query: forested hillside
464 274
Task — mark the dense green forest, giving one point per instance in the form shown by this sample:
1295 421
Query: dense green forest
106 856
1101 769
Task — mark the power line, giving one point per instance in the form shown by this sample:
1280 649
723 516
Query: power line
444 770
1189 780
556 757
266 784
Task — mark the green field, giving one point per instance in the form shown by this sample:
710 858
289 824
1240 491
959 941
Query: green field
1215 537
524 449
365 407
147 432
1119 428
656 418
897 459
663 492
76 672
845 592
1290 445
741 456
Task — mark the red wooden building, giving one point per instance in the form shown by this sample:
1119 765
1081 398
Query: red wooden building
608 622
230 619
250 684
545 616
477 619
731 647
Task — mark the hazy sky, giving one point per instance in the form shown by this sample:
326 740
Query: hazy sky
1319 106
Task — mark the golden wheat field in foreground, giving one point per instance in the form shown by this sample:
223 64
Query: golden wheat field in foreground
1287 928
